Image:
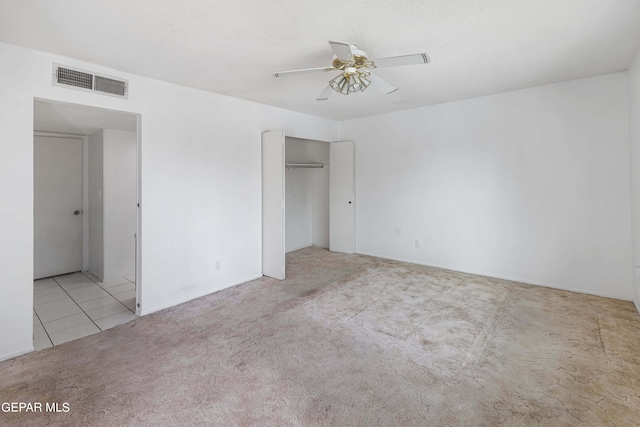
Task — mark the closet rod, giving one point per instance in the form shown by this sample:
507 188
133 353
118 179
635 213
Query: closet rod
305 165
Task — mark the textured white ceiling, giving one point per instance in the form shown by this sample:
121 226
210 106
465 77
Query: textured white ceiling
233 46
79 120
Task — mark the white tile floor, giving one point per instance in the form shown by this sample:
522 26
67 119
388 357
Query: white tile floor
75 305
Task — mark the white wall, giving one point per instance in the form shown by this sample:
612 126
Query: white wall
96 213
201 184
306 195
297 210
531 185
120 212
320 203
634 140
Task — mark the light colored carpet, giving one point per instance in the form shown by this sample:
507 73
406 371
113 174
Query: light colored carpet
349 340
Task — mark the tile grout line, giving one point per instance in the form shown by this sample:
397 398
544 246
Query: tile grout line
78 305
42 324
76 302
36 313
112 295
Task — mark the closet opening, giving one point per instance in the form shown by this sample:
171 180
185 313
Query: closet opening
306 194
307 197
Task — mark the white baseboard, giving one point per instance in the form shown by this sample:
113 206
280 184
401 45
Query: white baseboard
144 311
16 354
313 245
512 279
635 303
298 248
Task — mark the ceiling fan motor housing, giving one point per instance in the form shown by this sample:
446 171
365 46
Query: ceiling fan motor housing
358 59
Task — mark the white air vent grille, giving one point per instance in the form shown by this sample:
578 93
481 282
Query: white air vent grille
115 87
83 80
74 78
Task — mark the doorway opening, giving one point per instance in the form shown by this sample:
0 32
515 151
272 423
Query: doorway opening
308 198
86 220
306 194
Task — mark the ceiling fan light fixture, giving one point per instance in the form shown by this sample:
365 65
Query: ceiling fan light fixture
351 81
360 82
338 83
356 84
345 89
347 82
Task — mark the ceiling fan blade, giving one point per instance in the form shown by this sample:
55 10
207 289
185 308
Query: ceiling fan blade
302 71
342 50
395 61
381 84
325 94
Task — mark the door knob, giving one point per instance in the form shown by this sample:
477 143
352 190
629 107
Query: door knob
76 212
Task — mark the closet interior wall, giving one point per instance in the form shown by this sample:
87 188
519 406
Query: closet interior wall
306 195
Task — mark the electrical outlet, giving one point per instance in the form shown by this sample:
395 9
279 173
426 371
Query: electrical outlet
218 264
417 243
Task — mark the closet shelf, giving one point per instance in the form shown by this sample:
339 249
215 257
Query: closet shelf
305 165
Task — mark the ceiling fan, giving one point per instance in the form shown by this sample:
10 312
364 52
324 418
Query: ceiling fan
355 67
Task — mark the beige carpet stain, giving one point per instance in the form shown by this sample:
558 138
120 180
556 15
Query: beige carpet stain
349 340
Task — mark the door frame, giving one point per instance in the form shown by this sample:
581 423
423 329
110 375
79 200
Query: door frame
85 191
273 204
85 188
138 242
297 136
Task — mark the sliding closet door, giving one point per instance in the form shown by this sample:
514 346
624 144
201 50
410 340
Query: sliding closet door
341 195
273 204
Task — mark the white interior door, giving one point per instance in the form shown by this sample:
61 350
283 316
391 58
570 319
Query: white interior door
57 201
342 197
273 247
